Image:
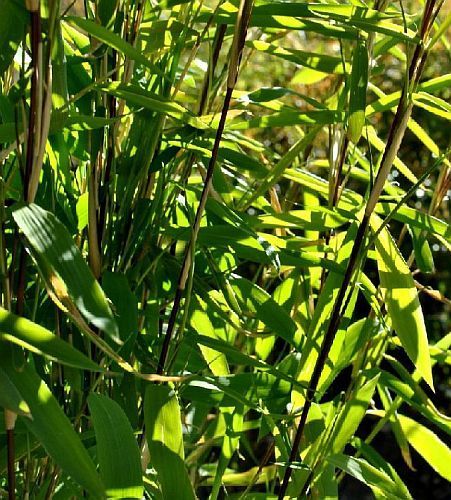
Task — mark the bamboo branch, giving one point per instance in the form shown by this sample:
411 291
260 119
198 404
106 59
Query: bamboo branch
396 135
235 58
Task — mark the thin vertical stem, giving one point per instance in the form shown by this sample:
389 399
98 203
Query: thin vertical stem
33 7
236 52
187 261
394 140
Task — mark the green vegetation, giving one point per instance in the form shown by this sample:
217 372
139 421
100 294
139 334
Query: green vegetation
223 257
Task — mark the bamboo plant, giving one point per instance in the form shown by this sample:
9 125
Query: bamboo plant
223 247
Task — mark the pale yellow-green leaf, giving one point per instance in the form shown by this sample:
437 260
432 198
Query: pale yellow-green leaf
428 445
165 439
201 322
402 303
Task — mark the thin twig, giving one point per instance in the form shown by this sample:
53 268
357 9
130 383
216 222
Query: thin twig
395 137
237 49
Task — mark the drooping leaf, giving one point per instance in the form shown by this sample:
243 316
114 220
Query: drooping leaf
117 450
436 453
351 415
62 266
417 219
10 398
29 335
111 39
244 388
258 303
165 441
403 305
51 426
136 96
367 474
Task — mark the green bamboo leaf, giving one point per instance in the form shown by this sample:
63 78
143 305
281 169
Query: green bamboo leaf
51 426
78 122
368 474
320 219
10 398
422 250
82 211
436 453
411 393
433 104
314 10
349 200
257 303
319 62
357 92
438 83
12 26
60 92
266 475
308 17
114 41
165 439
379 144
234 355
279 168
38 339
200 321
326 486
117 450
400 437
137 96
125 306
401 299
233 418
248 389
289 118
62 266
351 415
375 459
321 317
417 219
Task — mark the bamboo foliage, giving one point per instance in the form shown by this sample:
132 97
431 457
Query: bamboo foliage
223 247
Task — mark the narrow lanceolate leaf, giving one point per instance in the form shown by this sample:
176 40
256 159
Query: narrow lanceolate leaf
37 339
257 303
110 38
136 96
201 322
63 268
289 118
319 62
351 415
417 219
165 440
368 474
401 299
51 426
436 453
10 397
117 449
422 250
357 92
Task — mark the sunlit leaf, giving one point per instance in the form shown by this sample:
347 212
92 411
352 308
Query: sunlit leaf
403 305
117 449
